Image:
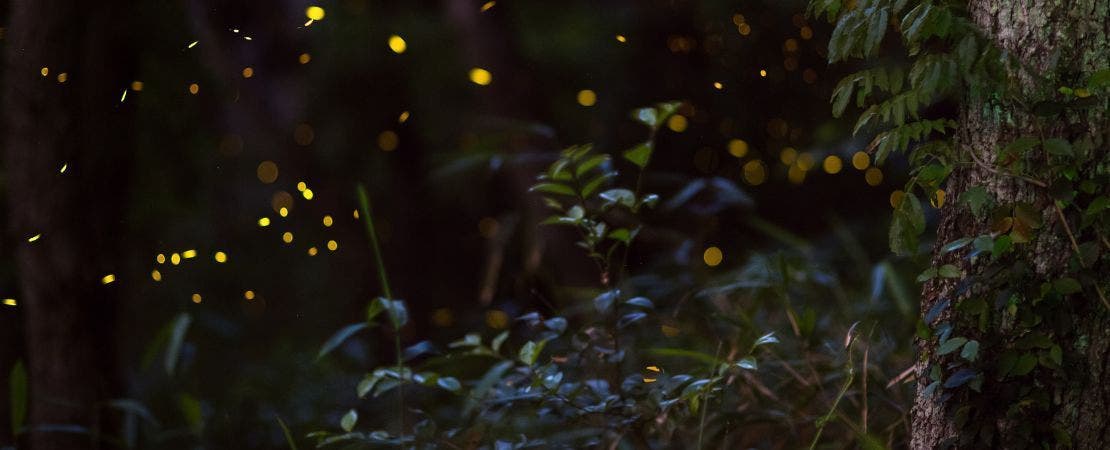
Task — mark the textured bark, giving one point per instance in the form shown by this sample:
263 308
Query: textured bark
80 123
1065 41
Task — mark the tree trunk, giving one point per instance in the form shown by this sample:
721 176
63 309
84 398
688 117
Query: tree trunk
1065 41
77 121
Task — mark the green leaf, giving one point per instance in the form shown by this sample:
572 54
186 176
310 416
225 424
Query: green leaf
285 431
639 155
177 338
449 383
949 271
349 420
605 300
552 188
530 352
17 391
592 185
642 302
497 341
191 410
339 337
1057 147
970 351
976 199
955 245
623 197
768 338
951 345
1024 365
747 363
927 274
1020 146
1067 285
594 161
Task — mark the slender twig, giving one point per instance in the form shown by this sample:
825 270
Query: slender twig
1075 247
995 171
364 203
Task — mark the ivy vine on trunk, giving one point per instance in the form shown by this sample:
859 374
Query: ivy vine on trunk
1015 325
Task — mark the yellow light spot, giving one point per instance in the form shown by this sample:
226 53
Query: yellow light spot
10 302
788 155
486 6
754 172
790 46
307 194
34 238
192 44
63 169
287 237
249 295
314 13
354 213
649 380
796 175
762 73
896 198
669 330
621 38
327 221
220 257
397 44
388 140
108 279
45 71
248 72
263 221
62 77
175 259
304 58
832 164
333 246
301 186
442 317
738 148
283 211
718 86
303 134
587 97
160 258
156 275
194 88
873 176
806 161
806 33
281 199
312 251
188 254
267 172
861 160
403 117
712 256
677 123
938 199
196 298
653 368
480 76
738 19
497 319
744 29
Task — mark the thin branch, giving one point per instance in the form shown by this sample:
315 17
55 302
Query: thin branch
995 171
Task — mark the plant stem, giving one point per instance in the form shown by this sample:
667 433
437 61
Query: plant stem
364 204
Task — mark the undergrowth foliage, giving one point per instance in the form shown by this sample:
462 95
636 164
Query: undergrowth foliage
647 361
1003 336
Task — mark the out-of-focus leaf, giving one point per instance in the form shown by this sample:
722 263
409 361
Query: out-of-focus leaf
349 420
530 352
339 337
17 391
639 155
604 302
642 302
630 318
191 410
449 383
748 363
177 338
285 431
132 406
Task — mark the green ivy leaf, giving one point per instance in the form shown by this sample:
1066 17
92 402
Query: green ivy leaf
970 351
951 345
949 271
1067 286
530 352
976 199
552 188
